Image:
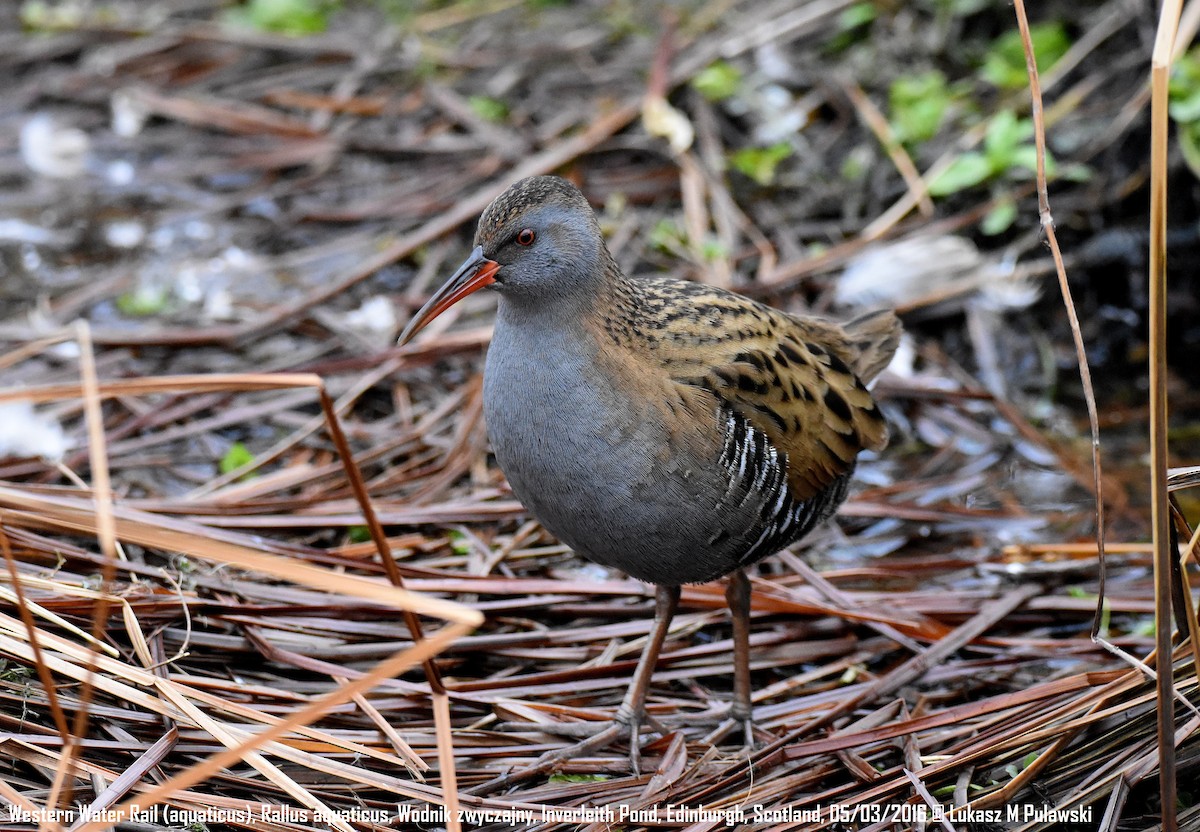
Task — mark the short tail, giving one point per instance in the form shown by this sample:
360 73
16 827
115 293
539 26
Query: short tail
874 337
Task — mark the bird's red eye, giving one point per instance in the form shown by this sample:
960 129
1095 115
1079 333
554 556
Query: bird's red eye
525 236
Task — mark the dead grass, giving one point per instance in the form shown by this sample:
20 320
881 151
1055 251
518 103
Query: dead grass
360 620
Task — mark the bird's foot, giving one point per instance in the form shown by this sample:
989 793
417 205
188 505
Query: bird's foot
597 735
585 729
737 720
628 719
739 713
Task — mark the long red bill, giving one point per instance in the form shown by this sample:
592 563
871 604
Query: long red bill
472 275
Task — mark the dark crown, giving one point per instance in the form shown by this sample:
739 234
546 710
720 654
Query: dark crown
528 193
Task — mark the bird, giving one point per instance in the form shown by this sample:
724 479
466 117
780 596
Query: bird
669 429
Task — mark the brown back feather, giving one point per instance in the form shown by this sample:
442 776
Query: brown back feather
799 380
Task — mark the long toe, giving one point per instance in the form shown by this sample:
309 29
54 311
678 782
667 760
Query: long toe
748 735
732 726
630 719
606 734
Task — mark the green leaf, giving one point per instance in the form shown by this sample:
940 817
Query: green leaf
851 27
459 543
1005 132
15 673
857 163
38 14
712 249
668 236
1000 218
1143 626
760 163
237 456
857 15
579 778
1183 89
143 301
1189 145
1004 63
967 171
918 104
358 534
1185 108
1075 172
963 8
491 109
285 17
718 81
1025 157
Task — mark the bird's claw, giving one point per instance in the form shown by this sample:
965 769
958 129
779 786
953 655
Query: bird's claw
596 735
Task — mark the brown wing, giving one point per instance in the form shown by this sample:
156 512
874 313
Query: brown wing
792 378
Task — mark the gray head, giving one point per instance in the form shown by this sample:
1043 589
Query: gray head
538 243
545 237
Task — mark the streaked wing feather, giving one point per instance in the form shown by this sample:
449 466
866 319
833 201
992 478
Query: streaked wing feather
792 378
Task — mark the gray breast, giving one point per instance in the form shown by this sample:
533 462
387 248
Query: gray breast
601 471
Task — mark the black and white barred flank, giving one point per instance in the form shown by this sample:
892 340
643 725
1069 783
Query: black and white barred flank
758 473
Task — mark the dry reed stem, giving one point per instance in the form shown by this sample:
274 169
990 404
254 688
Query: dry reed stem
1047 225
1168 24
918 188
1160 512
133 526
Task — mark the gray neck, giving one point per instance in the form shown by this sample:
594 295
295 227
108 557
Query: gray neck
580 292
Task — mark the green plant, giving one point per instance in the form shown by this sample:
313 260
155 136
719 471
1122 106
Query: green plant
1008 152
918 104
1143 626
143 301
237 456
857 163
12 672
1013 769
1008 149
668 237
718 81
1004 63
459 544
579 778
960 8
40 15
712 249
1001 217
491 109
760 163
1184 108
284 17
852 26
